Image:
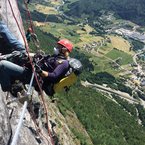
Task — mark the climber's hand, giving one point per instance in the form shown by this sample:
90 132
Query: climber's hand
38 69
3 57
16 53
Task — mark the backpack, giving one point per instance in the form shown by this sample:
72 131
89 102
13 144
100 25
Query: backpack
75 68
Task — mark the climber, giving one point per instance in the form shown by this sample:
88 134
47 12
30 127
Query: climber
13 54
51 68
30 35
54 69
56 66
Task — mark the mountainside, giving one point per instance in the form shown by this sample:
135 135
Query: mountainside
88 115
133 10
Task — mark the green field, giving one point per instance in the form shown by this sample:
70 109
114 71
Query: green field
115 54
60 30
102 64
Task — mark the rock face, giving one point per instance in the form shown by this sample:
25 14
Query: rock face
9 118
5 128
28 134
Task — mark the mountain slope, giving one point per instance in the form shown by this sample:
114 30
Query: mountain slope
126 9
105 121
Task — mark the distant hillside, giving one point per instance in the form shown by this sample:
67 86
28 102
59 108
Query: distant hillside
126 9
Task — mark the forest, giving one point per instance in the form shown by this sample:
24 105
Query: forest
125 9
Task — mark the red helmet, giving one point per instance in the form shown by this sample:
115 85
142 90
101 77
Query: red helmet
30 30
66 43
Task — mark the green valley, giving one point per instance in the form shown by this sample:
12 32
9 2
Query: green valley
107 58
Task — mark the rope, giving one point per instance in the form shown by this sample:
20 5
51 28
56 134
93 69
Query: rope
16 135
31 25
29 16
27 50
41 92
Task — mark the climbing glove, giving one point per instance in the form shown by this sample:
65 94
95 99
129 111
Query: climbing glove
3 57
38 69
11 55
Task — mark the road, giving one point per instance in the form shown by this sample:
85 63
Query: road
135 61
116 92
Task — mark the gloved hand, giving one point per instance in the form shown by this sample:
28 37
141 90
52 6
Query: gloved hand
16 53
3 57
11 55
38 69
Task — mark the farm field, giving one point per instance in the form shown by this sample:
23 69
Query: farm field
120 43
46 9
116 54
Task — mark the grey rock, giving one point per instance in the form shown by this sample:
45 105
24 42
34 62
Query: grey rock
9 118
5 128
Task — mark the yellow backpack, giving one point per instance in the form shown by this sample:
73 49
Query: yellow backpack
70 77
